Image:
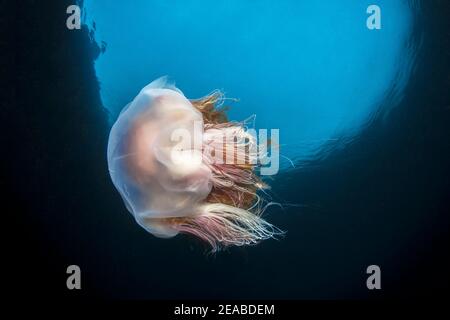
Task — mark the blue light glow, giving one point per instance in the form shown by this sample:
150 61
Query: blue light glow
310 68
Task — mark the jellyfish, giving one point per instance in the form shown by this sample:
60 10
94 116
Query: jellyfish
172 185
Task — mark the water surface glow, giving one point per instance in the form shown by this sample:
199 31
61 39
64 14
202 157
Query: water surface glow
310 68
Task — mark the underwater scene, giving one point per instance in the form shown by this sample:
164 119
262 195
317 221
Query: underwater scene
238 149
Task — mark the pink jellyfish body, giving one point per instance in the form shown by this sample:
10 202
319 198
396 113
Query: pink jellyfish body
162 158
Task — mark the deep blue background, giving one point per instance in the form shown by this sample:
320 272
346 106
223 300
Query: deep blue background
381 198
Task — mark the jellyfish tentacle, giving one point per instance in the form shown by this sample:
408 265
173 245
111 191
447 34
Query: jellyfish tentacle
223 225
233 213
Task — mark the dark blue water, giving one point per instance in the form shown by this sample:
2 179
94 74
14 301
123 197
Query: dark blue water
364 114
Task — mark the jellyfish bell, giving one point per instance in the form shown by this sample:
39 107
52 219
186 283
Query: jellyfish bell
140 162
173 185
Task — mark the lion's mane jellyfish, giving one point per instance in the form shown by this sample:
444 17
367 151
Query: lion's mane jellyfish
172 186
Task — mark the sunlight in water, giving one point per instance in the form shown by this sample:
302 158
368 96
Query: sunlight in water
310 68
